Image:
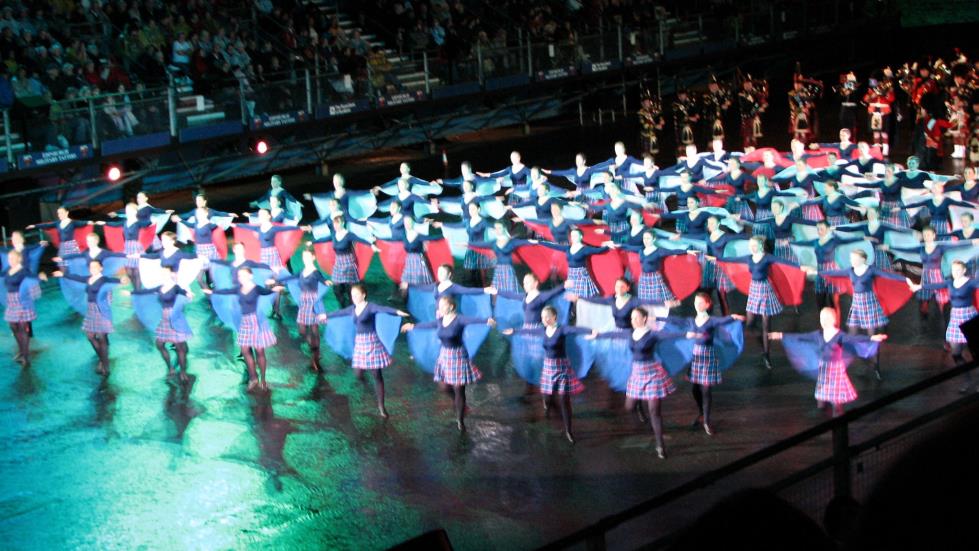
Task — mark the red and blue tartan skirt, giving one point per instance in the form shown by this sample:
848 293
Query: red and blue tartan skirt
95 322
653 289
941 226
837 220
762 299
892 213
253 335
477 261
345 269
307 314
453 367
165 331
581 282
532 325
132 250
619 231
270 257
206 252
16 312
866 312
67 248
704 369
557 377
812 213
741 207
505 279
369 352
833 384
416 270
958 316
763 229
933 275
649 380
882 261
713 277
823 285
783 249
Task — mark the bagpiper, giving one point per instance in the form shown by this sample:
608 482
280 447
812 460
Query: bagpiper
651 122
847 90
716 102
802 107
878 99
752 102
685 116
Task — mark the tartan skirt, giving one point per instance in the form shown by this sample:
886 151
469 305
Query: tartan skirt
94 321
941 226
704 369
252 335
619 231
812 213
532 325
345 269
557 377
783 249
866 312
823 285
476 261
833 384
681 223
165 331
837 220
882 261
505 279
764 230
206 252
369 353
270 257
306 314
453 367
892 213
16 312
653 288
416 270
958 316
762 299
67 248
581 282
132 250
933 275
714 277
649 381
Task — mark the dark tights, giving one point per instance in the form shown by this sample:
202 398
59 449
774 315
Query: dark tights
924 307
766 327
722 301
342 292
100 343
22 334
702 395
654 414
311 334
564 403
460 403
251 361
133 275
181 349
378 388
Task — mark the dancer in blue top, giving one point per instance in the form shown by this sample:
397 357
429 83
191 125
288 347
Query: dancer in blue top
453 367
98 315
308 288
21 289
172 327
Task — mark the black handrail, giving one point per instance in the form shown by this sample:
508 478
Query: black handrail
610 522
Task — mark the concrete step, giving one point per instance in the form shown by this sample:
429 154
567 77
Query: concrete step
205 118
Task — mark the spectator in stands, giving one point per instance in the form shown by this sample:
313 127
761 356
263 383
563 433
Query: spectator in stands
382 79
181 52
91 75
55 82
6 91
264 6
151 36
359 45
418 37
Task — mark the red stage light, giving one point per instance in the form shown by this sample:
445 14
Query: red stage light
262 147
114 173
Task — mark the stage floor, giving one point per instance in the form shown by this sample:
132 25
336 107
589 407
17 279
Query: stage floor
132 461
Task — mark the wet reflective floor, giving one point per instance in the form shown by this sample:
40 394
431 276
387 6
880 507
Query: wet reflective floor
132 461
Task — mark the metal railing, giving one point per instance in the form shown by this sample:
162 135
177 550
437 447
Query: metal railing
485 66
849 471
